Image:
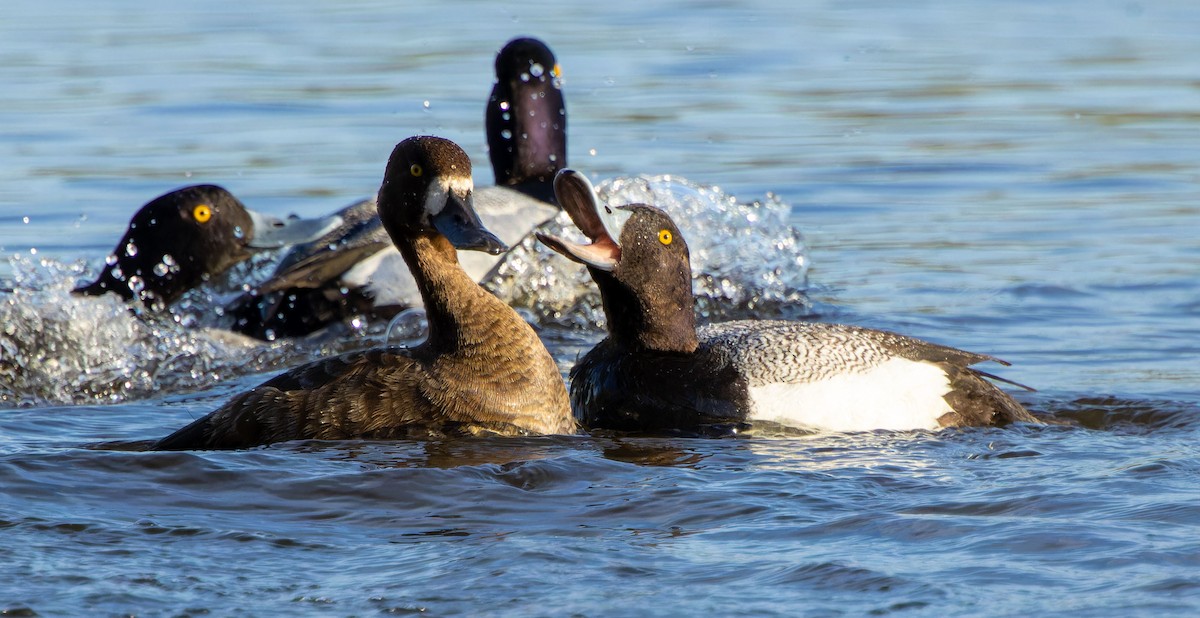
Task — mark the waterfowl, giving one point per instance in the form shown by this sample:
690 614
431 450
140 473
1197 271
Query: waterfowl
185 237
355 270
482 368
655 370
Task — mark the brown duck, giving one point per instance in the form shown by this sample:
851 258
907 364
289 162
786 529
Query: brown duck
481 370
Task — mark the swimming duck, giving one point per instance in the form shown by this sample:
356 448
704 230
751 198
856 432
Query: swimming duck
355 269
482 368
182 238
657 371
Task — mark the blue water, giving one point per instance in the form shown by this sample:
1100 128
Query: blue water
1019 179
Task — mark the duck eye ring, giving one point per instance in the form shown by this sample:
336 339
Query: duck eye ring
416 170
665 237
202 213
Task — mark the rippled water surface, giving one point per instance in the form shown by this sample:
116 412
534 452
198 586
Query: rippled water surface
1020 179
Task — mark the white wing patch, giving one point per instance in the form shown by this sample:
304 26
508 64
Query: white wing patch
897 394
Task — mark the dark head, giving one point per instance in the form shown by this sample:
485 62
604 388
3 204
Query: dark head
527 119
427 190
642 269
183 238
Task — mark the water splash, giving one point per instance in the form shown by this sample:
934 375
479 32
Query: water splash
747 261
58 348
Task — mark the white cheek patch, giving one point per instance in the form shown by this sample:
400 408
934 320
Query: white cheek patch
898 394
441 187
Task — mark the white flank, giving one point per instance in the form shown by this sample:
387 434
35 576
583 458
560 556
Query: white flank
386 277
898 394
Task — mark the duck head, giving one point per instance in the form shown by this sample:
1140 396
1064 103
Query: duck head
526 118
183 238
427 190
639 260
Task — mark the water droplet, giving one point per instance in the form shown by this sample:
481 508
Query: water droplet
504 105
524 77
130 249
592 152
136 284
25 220
407 328
553 158
537 70
425 104
33 251
117 273
506 116
238 233
169 260
506 134
111 259
161 270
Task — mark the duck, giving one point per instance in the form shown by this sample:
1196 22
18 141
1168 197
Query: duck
355 269
187 236
481 370
656 371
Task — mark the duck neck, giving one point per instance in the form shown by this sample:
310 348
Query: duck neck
660 323
456 308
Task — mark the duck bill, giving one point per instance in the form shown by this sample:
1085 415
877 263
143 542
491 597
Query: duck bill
578 198
272 232
460 225
603 254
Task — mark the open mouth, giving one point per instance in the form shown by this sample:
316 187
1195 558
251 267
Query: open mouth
600 224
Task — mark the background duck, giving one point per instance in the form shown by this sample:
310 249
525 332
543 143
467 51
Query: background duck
656 371
355 269
185 237
482 368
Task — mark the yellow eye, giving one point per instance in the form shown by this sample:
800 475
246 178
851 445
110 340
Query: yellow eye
665 237
202 213
416 170
556 71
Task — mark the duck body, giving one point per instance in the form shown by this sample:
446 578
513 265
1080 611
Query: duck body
482 368
817 376
657 371
355 270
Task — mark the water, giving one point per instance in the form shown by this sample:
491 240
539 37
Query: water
1019 179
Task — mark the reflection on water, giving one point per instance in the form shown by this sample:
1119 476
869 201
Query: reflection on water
1018 179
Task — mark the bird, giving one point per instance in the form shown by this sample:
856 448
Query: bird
657 371
481 370
187 236
355 270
